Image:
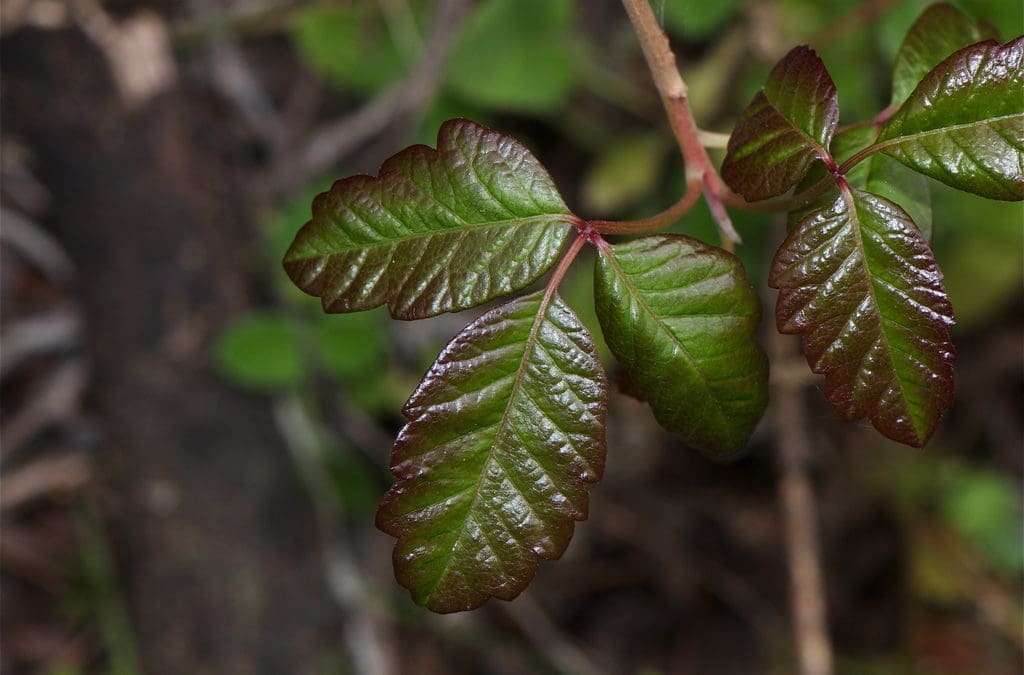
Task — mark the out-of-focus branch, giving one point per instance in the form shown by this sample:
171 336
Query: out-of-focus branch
539 629
327 145
799 517
365 634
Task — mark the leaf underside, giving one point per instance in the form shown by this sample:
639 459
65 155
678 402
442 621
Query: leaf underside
784 129
504 433
879 174
964 123
859 282
437 231
682 318
941 30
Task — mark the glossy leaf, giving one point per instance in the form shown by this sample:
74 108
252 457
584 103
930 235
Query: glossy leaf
857 279
879 174
784 129
504 433
682 318
964 123
436 231
941 30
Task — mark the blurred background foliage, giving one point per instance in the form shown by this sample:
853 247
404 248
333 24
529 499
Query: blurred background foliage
924 550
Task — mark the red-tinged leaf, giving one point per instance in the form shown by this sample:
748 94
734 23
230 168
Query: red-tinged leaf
964 123
784 129
504 433
860 283
437 231
682 318
941 30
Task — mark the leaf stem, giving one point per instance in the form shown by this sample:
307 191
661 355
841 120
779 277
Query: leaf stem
859 157
586 234
654 223
661 61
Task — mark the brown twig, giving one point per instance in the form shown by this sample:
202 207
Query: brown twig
799 518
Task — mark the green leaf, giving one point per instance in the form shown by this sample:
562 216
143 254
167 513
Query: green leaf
964 123
352 346
515 55
699 19
350 45
941 30
857 279
784 129
437 231
504 433
682 318
878 174
260 351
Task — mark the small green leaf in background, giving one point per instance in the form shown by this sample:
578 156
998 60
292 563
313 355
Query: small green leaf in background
515 55
878 174
626 172
261 351
699 19
350 44
682 318
861 285
437 231
353 345
941 30
985 508
964 123
784 129
504 433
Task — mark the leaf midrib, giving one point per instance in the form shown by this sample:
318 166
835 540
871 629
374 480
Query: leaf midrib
855 225
917 135
525 221
531 340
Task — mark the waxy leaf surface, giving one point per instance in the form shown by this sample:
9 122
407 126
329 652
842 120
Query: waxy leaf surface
857 279
964 123
504 433
941 30
787 125
436 231
682 318
879 174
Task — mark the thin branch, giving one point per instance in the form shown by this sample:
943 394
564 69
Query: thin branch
662 63
799 518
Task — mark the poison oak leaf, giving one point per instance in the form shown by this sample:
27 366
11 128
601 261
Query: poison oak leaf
682 318
858 281
784 129
436 231
964 123
504 433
